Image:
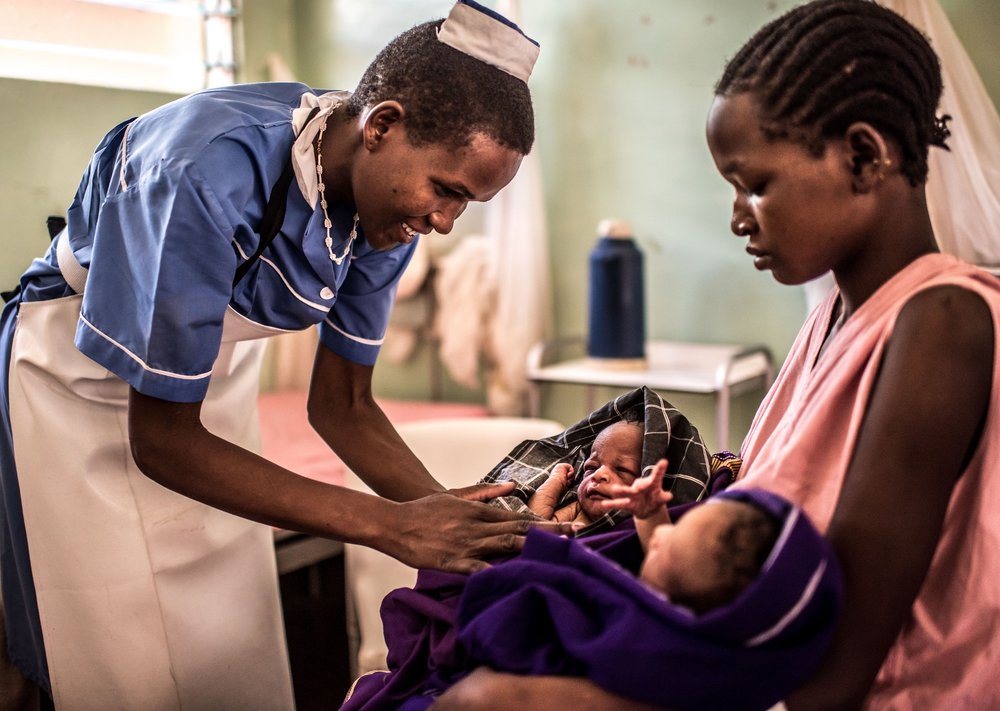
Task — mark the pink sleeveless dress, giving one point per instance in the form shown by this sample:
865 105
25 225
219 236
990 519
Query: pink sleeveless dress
800 444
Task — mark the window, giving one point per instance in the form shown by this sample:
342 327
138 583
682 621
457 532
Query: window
175 46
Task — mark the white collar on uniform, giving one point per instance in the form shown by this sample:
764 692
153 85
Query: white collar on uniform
304 148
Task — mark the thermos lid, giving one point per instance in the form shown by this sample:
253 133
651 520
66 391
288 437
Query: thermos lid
614 228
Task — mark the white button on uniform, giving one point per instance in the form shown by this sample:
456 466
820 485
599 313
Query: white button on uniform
326 293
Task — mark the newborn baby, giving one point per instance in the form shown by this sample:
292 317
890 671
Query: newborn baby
701 562
615 458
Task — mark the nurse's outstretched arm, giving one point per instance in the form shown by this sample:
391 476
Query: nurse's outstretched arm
171 446
343 411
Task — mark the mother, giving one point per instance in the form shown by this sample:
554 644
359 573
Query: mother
883 424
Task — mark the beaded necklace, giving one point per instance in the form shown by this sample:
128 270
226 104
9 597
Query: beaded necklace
322 201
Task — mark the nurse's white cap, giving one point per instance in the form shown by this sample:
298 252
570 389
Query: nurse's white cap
489 37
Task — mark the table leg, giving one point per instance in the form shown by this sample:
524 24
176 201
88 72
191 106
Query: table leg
722 418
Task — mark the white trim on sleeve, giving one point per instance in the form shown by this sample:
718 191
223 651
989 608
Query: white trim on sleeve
356 339
139 360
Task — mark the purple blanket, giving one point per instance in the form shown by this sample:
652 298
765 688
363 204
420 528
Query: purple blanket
565 608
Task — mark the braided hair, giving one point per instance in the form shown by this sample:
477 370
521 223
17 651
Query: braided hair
826 64
448 95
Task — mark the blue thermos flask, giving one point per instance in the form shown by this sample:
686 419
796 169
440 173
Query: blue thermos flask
616 334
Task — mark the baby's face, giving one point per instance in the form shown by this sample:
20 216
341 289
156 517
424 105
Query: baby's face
680 557
615 458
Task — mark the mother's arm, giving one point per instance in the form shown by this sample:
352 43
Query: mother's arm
487 690
921 425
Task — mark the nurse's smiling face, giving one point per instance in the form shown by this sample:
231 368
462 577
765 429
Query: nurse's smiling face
401 190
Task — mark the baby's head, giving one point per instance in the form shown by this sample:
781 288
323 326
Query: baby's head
615 458
711 554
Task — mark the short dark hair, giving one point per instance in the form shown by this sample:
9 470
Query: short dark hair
826 64
448 95
634 416
738 554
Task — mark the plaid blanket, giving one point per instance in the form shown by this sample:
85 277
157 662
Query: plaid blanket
692 472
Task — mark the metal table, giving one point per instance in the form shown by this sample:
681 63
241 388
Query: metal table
721 370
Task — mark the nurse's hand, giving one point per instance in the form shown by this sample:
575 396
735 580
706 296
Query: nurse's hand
483 492
446 532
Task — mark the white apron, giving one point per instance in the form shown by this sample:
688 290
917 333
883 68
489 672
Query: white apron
148 599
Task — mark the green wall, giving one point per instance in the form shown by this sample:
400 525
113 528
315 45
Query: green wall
621 90
48 133
622 134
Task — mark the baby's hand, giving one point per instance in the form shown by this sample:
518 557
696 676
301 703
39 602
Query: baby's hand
642 498
545 499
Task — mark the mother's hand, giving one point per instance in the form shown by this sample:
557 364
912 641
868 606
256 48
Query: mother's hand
487 690
484 690
449 532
